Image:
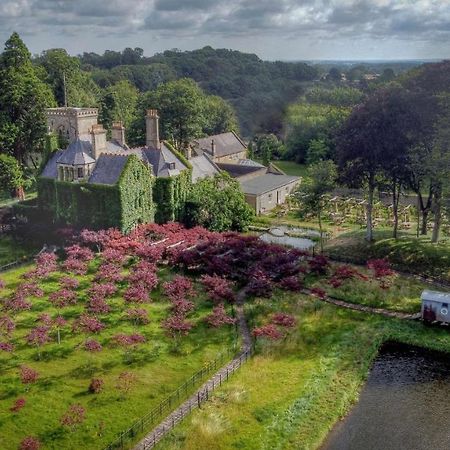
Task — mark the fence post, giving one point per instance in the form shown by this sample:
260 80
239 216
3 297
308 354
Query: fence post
198 398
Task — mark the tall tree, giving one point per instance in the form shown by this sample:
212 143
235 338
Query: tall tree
311 195
23 98
371 140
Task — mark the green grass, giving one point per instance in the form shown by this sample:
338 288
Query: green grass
402 294
66 369
11 250
407 253
292 392
292 168
7 200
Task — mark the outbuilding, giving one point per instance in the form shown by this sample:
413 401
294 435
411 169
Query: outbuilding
435 306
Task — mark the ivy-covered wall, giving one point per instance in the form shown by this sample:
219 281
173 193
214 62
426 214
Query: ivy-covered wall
169 196
136 201
122 205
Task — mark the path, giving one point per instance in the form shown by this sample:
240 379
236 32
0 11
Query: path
202 394
366 309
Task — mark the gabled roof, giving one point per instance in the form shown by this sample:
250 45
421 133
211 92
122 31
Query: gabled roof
108 169
266 183
77 153
226 144
50 169
202 167
160 160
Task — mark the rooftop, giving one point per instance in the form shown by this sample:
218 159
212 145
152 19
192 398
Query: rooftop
266 183
226 144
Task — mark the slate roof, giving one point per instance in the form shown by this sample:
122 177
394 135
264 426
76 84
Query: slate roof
108 169
266 183
50 169
226 144
77 153
239 170
203 166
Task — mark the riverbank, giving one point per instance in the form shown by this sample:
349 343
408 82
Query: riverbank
294 390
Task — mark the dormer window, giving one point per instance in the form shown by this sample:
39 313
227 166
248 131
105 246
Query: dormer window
171 166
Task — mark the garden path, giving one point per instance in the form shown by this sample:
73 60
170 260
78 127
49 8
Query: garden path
202 394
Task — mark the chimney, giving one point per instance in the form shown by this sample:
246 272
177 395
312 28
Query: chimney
98 134
213 147
152 127
118 133
188 152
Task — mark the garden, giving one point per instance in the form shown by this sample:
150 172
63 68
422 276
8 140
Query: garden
95 336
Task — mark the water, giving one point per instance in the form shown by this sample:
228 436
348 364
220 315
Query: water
405 404
287 236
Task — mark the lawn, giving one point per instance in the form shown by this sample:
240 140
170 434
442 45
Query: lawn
65 370
395 293
11 250
407 253
290 394
292 168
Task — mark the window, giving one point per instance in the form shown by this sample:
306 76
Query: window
80 172
171 165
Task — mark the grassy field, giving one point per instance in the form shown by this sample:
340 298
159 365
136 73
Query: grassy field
66 369
289 395
407 253
292 168
11 251
401 293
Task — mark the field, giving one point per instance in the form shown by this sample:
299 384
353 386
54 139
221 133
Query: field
289 395
158 364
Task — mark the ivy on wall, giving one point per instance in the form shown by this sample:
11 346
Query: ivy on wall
122 205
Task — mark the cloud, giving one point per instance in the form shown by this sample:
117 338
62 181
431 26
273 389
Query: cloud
328 20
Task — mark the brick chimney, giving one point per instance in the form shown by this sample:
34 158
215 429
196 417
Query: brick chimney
98 135
152 128
118 133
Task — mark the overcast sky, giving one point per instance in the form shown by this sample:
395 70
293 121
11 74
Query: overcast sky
274 29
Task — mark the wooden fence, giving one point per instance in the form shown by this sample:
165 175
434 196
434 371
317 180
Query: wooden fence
184 393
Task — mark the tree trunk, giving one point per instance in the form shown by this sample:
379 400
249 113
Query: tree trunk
437 215
395 202
369 232
425 209
319 217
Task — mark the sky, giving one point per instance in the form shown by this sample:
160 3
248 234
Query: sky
275 29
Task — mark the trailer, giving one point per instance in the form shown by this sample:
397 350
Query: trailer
435 307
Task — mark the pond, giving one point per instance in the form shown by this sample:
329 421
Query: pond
405 404
294 237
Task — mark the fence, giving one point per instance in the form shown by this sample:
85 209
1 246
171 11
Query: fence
202 395
18 263
183 393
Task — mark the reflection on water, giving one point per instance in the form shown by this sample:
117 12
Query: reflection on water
294 237
405 404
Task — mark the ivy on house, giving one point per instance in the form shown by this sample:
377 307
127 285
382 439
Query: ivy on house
123 205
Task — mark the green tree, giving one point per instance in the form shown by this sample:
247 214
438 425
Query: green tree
186 112
119 103
23 98
218 204
69 83
318 150
312 194
11 175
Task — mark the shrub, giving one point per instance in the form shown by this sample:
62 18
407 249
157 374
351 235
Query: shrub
18 405
96 385
284 320
91 345
30 443
219 317
137 316
74 416
28 375
269 331
125 382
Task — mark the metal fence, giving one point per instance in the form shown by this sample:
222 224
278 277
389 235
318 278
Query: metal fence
18 263
186 390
